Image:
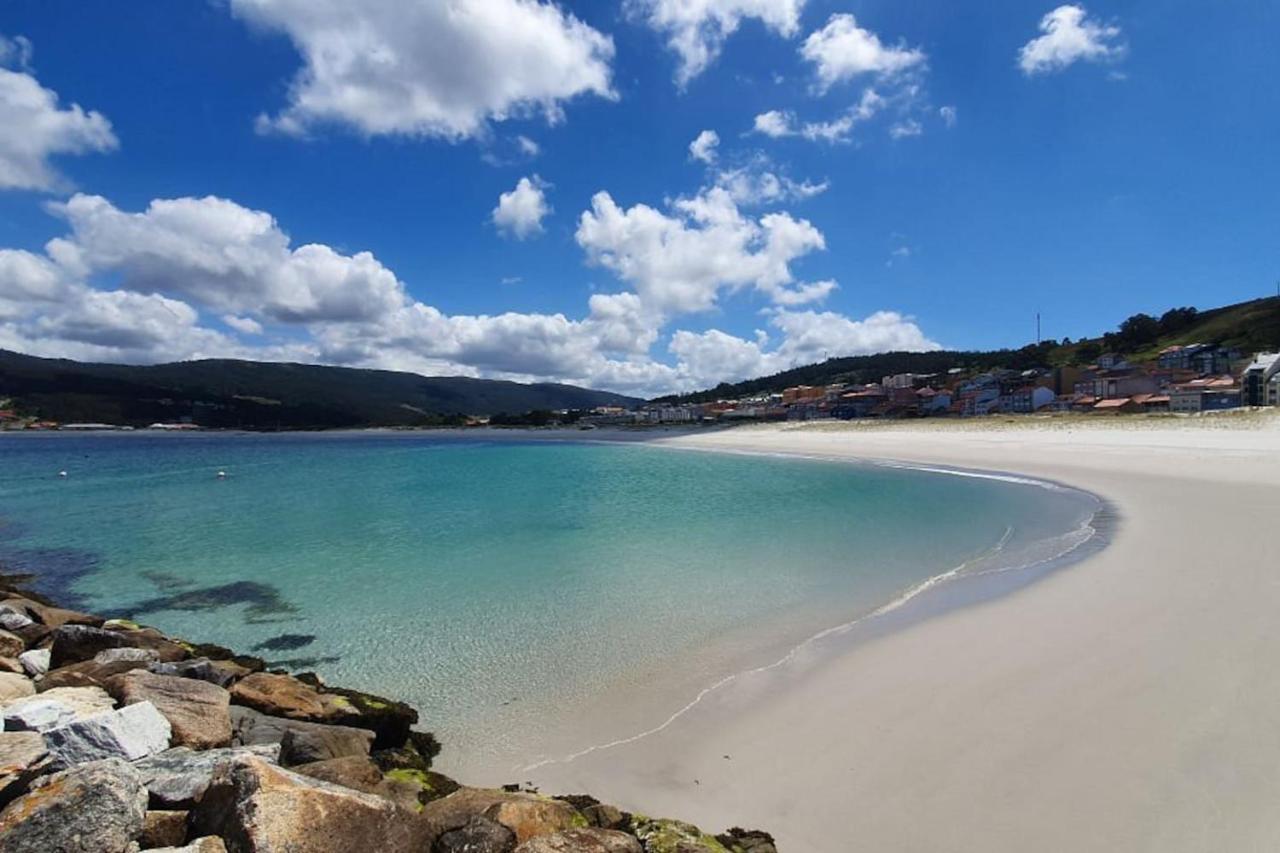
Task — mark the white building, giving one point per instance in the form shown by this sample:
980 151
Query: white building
1260 382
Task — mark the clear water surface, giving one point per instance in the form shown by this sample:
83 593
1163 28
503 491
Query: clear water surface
498 585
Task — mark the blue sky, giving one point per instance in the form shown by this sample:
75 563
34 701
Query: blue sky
507 188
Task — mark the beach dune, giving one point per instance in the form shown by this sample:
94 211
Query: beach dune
1128 702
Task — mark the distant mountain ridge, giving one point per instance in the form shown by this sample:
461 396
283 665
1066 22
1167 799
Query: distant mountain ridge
1249 326
265 395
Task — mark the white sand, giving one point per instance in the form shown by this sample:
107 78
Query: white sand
1129 702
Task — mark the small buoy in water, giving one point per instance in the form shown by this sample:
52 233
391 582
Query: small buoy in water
62 474
222 475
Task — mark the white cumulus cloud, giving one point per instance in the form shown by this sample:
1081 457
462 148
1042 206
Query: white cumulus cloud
431 67
520 212
34 127
1070 36
696 30
223 255
703 148
150 285
680 261
842 50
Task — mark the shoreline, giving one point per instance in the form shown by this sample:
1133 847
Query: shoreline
794 756
940 593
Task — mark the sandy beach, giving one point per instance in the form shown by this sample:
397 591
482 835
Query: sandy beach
1128 702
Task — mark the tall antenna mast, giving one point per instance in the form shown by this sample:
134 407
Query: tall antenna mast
1038 322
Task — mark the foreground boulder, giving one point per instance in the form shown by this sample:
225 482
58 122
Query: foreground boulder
256 806
129 733
197 711
95 808
178 778
526 815
300 742
592 840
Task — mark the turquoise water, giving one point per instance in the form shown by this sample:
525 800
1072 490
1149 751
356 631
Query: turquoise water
499 586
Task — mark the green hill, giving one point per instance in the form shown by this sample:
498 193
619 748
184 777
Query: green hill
1248 326
257 395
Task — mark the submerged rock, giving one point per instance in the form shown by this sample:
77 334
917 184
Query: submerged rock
196 710
177 778
130 733
591 840
256 805
97 807
478 835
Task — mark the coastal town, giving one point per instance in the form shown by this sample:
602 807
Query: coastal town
1189 379
1183 380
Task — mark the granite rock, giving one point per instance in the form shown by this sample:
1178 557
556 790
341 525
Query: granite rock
87 673
478 835
527 815
130 733
35 662
11 645
23 757
163 828
14 686
588 840
197 711
177 778
258 806
97 807
205 844
127 653
13 619
300 742
223 673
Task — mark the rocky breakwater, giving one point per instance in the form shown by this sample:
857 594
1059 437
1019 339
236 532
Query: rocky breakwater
118 738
